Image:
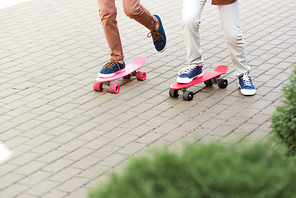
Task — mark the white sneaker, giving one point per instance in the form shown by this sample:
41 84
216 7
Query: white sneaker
246 86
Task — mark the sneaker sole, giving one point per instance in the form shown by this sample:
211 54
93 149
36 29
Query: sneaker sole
110 75
247 93
189 79
159 19
163 48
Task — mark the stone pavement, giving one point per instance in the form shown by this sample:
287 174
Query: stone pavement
65 138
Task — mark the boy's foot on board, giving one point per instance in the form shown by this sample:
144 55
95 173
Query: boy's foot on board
111 68
187 74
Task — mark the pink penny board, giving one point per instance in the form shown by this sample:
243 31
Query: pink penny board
209 78
130 70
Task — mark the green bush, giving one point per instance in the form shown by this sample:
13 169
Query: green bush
210 171
284 117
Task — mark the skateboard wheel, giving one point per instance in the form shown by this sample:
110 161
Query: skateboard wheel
141 76
98 86
127 76
174 93
188 95
222 83
209 83
114 88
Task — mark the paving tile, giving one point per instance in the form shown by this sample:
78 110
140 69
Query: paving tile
46 147
166 128
249 112
174 136
149 114
124 140
212 124
203 117
257 135
51 156
132 148
23 195
72 184
265 127
72 145
113 160
133 123
79 193
233 138
35 178
7 168
236 121
41 139
13 190
42 188
58 165
86 162
29 125
141 130
226 115
10 134
9 179
114 133
64 174
55 193
66 137
24 158
30 168
94 172
259 119
98 143
157 121
210 139
34 132
149 138
223 131
77 154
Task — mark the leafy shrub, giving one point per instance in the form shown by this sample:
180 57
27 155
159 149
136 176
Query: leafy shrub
211 171
284 117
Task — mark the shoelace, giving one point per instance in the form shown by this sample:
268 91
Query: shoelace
187 70
110 63
155 35
246 80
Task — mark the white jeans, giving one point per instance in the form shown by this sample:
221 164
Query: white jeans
230 20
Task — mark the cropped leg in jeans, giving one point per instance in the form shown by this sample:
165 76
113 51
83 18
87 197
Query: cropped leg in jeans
230 20
108 13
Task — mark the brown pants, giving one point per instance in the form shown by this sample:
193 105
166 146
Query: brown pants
108 13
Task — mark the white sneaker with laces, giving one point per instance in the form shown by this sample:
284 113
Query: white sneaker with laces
246 86
187 74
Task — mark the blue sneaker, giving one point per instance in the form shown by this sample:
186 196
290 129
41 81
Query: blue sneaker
246 86
158 36
111 68
187 74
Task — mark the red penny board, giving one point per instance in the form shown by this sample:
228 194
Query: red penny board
221 69
137 63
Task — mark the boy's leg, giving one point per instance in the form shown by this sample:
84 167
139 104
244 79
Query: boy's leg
136 11
230 20
108 13
190 27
